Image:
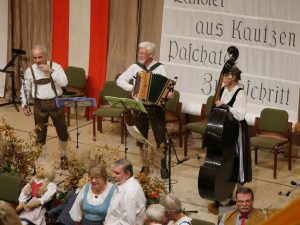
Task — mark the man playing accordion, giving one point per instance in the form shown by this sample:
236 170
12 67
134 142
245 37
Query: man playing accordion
155 113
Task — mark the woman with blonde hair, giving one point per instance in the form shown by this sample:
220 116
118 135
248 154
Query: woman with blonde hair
91 204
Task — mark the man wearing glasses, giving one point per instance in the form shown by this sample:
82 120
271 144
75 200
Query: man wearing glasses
245 213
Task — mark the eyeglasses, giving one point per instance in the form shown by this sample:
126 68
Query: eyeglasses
244 201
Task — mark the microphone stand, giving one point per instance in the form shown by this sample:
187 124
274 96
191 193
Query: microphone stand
170 147
292 189
13 88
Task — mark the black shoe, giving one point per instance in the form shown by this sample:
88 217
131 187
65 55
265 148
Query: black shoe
164 173
64 162
145 170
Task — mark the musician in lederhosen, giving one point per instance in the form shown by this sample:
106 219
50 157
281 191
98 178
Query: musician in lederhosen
155 114
44 81
233 95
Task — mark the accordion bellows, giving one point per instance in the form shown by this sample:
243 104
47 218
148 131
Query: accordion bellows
152 88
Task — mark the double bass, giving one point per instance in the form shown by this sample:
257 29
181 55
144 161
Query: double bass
217 179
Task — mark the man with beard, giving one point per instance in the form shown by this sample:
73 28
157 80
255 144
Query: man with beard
155 114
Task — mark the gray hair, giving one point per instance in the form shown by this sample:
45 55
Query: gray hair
156 212
149 46
41 47
171 203
126 164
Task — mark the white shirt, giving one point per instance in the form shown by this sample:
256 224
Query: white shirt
76 210
239 107
47 196
127 206
44 91
127 75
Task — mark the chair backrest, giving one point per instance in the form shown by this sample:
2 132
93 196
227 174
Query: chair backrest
76 77
9 188
208 105
201 222
111 88
273 120
206 108
171 104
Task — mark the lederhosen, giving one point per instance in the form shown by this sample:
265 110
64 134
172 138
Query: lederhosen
43 108
155 114
246 151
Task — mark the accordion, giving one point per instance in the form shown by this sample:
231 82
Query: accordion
152 88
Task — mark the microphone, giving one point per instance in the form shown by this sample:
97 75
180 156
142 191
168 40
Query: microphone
18 51
293 183
96 196
292 189
186 158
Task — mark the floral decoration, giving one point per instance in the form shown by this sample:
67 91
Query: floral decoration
16 154
154 188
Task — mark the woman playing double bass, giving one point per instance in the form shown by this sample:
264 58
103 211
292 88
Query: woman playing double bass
233 96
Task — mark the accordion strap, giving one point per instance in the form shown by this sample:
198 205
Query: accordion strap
151 68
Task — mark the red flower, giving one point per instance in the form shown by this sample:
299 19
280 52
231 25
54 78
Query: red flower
154 195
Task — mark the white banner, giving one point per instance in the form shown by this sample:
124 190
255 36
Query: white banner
197 33
3 42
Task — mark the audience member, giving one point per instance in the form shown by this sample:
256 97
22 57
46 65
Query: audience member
91 204
8 215
60 214
174 213
155 215
127 206
245 213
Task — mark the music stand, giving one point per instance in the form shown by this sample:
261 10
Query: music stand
129 104
75 102
17 52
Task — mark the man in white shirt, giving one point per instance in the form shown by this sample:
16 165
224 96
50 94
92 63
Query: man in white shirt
44 81
127 206
155 114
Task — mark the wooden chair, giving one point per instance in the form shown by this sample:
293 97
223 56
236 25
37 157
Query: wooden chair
198 127
76 87
272 131
105 110
173 113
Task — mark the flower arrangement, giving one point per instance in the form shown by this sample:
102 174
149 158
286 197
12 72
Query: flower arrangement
153 188
16 154
78 166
